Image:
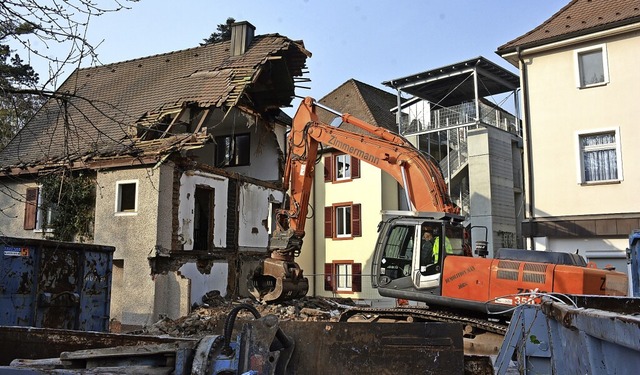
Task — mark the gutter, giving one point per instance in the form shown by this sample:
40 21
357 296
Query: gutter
529 166
569 40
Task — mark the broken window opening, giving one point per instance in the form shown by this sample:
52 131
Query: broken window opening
203 218
232 150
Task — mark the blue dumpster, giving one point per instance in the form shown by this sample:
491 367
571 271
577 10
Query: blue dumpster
634 271
51 284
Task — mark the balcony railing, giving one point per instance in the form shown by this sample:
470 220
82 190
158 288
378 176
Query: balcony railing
462 114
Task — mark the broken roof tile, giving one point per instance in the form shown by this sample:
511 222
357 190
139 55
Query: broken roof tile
104 102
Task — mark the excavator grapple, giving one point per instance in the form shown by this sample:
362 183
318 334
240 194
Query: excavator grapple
278 280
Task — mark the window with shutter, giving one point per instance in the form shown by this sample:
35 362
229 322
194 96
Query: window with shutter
31 208
343 276
341 168
343 221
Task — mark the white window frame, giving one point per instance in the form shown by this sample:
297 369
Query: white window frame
345 159
344 277
580 159
118 210
605 65
341 211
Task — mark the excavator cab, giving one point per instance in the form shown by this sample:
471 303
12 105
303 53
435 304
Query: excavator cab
410 252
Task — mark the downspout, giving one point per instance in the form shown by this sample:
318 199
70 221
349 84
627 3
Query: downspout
527 131
315 254
399 114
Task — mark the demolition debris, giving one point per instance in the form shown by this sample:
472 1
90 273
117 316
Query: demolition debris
208 318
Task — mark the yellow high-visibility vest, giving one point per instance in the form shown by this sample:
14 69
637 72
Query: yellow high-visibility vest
436 248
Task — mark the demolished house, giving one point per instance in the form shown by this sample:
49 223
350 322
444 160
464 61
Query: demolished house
184 152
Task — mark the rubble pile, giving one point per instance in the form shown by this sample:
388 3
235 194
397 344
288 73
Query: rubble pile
208 318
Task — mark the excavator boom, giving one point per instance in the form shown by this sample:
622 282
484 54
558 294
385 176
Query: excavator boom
280 277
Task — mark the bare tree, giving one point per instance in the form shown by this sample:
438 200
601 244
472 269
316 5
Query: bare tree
34 28
54 33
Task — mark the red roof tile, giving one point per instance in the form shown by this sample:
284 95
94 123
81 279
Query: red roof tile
579 17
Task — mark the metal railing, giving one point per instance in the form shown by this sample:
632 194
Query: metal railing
461 114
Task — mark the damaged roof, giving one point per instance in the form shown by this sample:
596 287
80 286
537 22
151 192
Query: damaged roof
579 17
362 101
97 109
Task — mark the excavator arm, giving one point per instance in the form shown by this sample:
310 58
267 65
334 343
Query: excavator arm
280 277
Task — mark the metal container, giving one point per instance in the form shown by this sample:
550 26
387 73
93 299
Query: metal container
51 284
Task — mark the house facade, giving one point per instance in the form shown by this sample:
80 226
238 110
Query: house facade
580 84
348 197
184 154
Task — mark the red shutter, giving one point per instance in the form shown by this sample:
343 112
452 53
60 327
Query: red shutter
355 167
328 222
356 222
328 276
31 208
328 170
356 277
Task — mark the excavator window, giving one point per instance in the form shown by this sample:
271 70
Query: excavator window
398 251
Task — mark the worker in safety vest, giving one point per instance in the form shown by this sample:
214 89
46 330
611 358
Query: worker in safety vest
436 247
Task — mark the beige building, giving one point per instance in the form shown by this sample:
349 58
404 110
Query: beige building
580 89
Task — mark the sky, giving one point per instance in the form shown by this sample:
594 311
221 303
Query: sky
370 41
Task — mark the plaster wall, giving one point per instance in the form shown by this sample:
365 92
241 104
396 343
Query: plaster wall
254 212
12 209
134 235
188 183
491 187
559 109
216 279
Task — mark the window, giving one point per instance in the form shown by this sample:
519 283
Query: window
343 276
35 216
592 69
127 197
232 150
342 221
341 167
599 156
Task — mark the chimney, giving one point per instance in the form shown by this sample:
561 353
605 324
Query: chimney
241 37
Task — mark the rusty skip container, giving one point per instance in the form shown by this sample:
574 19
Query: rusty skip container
51 284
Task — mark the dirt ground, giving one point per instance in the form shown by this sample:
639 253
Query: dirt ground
209 316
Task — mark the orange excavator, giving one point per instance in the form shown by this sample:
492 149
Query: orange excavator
422 254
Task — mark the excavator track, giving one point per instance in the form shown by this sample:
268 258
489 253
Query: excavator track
413 314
